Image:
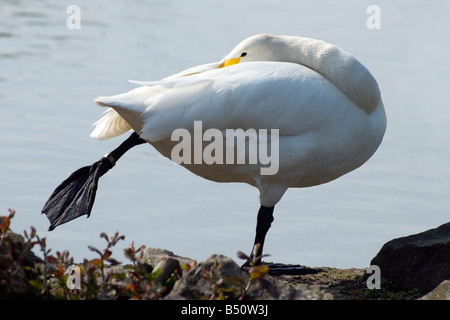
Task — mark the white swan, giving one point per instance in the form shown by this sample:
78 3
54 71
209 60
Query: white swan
325 104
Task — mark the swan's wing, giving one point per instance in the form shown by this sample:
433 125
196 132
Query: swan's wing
112 124
258 95
185 73
196 70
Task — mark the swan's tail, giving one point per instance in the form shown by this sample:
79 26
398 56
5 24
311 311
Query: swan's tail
109 126
124 113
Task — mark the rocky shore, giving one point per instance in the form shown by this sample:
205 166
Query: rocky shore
411 267
408 268
321 284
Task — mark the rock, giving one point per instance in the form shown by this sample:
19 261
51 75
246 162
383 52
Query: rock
420 261
153 256
220 277
165 268
441 292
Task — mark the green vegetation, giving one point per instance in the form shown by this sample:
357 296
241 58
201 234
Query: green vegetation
24 275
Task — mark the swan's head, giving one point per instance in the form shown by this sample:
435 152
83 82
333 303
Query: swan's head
335 64
261 47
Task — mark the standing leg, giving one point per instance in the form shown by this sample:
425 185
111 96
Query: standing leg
264 220
263 223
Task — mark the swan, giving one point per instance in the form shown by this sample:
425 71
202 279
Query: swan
320 105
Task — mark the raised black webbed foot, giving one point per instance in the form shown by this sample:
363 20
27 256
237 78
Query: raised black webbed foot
75 196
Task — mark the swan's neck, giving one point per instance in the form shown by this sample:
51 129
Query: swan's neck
339 67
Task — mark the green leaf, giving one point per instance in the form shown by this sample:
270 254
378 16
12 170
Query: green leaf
36 284
120 276
258 272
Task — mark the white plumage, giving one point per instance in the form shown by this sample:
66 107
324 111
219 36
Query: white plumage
319 104
326 105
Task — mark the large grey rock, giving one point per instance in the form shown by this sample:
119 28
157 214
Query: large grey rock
441 292
153 256
219 275
419 261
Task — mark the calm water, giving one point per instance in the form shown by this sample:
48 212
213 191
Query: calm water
49 76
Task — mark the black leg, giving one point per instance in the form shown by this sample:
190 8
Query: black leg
132 141
263 223
75 196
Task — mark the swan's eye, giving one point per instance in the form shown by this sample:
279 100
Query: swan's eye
243 54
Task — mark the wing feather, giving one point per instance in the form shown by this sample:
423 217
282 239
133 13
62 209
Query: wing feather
259 95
